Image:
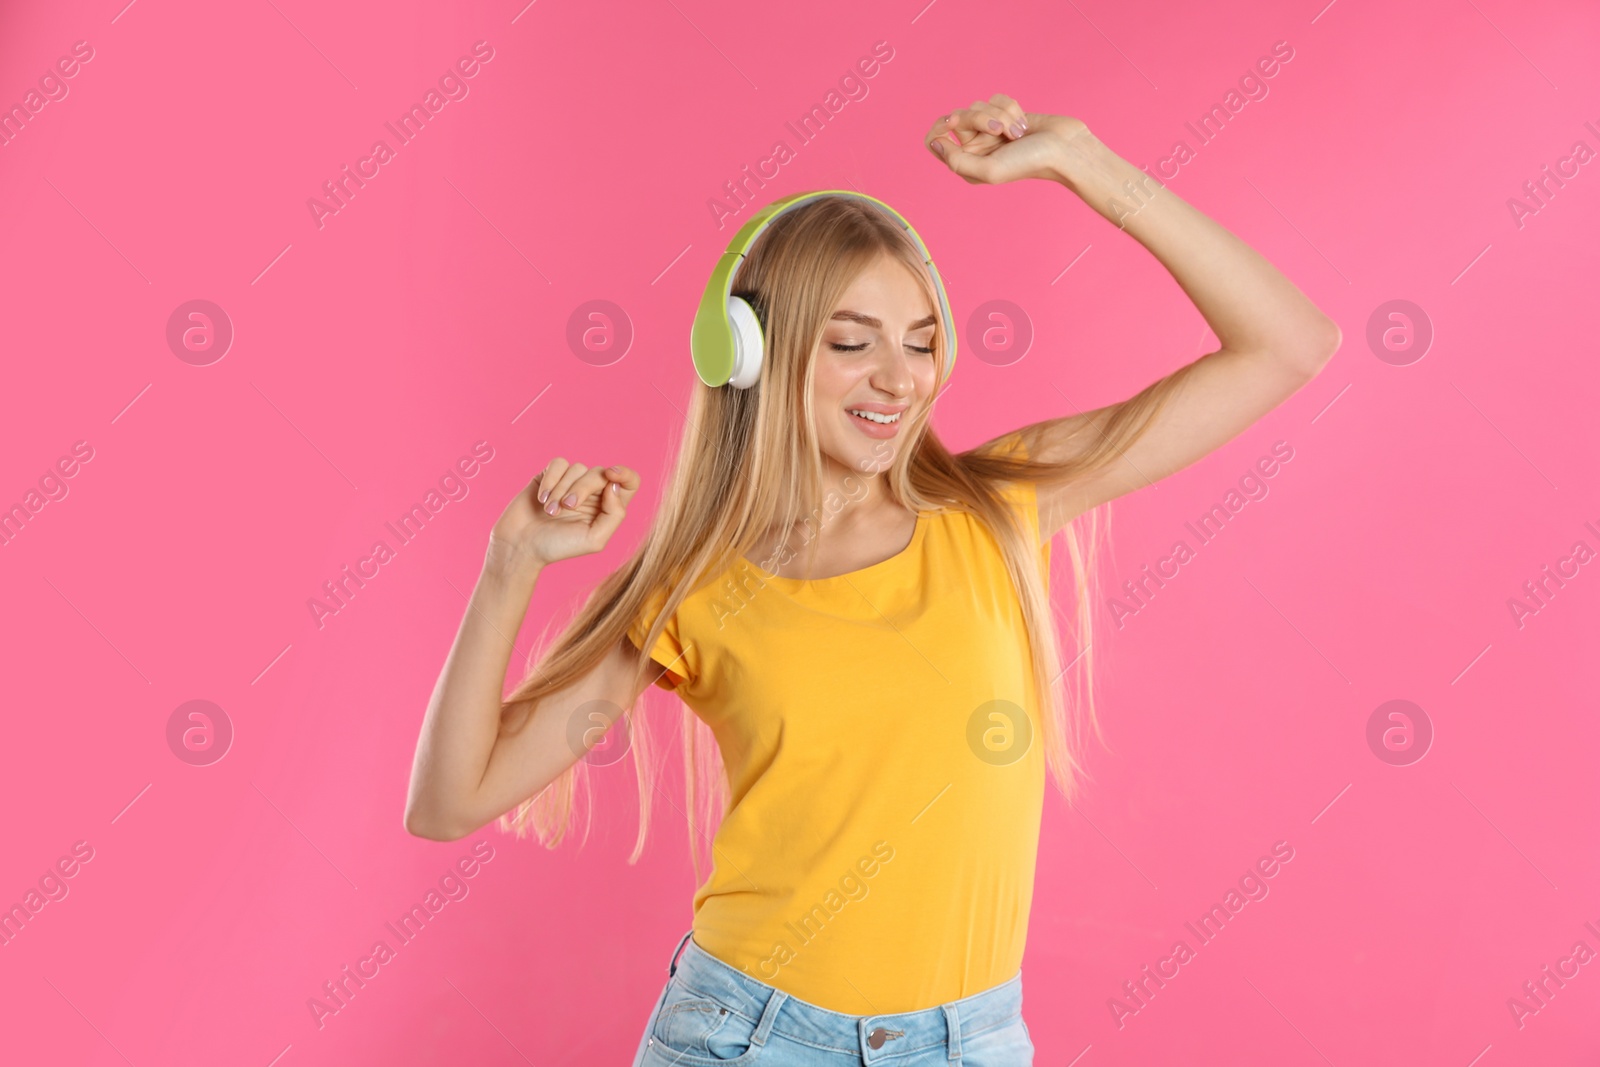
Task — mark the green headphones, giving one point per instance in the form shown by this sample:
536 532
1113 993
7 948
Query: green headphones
727 341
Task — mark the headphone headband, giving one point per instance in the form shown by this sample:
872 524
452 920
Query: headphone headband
726 339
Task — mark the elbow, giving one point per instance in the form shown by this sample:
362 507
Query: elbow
1308 348
429 826
1322 341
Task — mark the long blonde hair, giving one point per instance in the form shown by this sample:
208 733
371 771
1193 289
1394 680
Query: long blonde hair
746 465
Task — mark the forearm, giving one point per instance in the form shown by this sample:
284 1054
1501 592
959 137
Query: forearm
462 722
1246 301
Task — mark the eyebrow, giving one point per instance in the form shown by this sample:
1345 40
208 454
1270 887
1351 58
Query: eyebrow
877 324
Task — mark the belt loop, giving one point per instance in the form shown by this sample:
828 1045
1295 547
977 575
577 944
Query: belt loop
672 964
768 1017
952 1022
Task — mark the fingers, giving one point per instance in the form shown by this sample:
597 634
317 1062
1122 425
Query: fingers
592 481
555 485
626 480
1012 118
962 129
546 481
939 136
605 487
613 505
949 139
1000 117
964 159
562 486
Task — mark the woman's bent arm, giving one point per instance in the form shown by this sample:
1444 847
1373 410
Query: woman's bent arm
466 771
462 723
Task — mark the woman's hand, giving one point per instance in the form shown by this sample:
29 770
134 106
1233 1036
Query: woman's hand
568 510
996 142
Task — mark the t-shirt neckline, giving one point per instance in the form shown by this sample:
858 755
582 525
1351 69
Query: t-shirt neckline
918 532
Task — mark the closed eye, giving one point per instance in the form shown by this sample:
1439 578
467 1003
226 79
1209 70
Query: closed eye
857 348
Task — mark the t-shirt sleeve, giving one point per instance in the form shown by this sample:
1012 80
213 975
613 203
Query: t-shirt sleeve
669 650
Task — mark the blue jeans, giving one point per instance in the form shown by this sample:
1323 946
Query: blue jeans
712 1015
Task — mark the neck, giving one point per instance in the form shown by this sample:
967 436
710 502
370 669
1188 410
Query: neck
855 497
863 492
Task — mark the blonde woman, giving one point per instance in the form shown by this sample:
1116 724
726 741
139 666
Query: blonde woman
857 621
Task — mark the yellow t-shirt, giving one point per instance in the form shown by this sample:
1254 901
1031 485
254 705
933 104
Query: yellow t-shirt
879 853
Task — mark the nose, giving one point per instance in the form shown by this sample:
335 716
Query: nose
892 374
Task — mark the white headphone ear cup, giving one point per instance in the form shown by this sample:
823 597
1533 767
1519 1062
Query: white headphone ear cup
749 344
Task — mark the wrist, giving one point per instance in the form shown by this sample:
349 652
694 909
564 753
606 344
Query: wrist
509 566
1112 186
1082 161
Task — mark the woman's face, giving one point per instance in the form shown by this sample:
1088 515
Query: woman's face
876 356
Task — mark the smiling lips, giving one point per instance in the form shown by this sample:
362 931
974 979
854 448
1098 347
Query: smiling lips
877 420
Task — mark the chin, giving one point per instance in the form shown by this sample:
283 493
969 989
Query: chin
870 457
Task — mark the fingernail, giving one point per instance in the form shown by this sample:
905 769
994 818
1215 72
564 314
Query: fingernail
543 495
570 499
938 146
1016 131
994 125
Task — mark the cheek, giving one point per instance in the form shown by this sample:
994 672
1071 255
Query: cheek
831 383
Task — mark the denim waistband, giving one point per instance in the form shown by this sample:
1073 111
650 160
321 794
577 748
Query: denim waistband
875 1037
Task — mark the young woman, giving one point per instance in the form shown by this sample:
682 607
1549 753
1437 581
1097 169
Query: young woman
859 620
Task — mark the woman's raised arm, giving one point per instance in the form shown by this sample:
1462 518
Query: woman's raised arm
1273 338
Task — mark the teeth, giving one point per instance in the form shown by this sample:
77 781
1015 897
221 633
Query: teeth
873 416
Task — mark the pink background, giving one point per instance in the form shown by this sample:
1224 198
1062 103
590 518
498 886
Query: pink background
432 310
